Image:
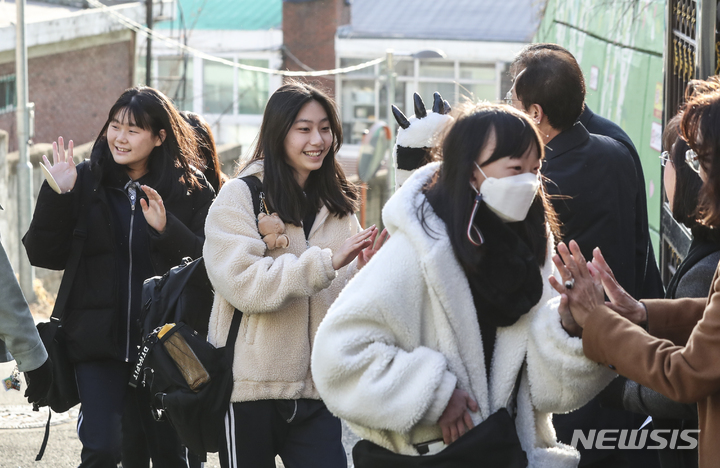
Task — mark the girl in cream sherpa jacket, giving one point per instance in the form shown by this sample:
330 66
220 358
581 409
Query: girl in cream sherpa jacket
403 335
283 293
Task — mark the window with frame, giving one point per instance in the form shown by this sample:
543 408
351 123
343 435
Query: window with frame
363 95
8 97
175 79
233 91
253 88
217 88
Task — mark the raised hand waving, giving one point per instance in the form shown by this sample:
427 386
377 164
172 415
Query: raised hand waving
61 174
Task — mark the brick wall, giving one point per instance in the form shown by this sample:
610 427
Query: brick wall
309 33
73 91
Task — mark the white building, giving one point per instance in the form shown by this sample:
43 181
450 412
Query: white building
478 38
230 99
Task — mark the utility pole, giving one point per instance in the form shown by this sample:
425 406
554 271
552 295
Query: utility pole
391 124
24 166
148 52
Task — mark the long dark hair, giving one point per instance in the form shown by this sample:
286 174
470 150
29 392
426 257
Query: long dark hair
207 151
699 127
450 191
168 163
326 186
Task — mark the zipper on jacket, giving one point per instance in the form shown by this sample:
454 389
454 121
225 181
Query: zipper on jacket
132 194
307 240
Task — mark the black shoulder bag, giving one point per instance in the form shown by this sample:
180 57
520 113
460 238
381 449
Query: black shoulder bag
63 392
493 443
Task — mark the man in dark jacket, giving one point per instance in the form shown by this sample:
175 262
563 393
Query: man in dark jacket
646 270
595 189
648 281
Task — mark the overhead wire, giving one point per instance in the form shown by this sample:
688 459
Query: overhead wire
135 26
295 59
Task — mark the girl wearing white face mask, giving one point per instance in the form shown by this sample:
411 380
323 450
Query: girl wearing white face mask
461 322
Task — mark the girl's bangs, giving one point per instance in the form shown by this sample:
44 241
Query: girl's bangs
134 115
513 138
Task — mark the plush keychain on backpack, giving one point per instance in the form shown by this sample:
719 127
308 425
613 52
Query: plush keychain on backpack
417 135
272 230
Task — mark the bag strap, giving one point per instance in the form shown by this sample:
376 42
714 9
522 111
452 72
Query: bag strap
255 186
258 197
232 335
511 403
76 249
46 436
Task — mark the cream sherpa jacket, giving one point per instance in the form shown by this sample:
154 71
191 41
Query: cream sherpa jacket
283 293
404 334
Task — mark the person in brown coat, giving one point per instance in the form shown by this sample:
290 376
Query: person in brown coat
675 350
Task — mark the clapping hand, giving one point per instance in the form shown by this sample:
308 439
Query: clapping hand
620 301
62 169
350 249
567 320
368 252
154 209
581 282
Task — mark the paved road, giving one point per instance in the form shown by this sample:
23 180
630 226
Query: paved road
22 430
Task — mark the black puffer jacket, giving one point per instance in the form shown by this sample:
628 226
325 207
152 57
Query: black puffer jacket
94 316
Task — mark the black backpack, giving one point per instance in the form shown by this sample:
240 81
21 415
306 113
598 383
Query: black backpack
185 379
184 293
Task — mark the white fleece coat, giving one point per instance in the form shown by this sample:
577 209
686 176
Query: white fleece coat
283 293
404 334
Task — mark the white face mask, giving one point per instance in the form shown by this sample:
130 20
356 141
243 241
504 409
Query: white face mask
509 197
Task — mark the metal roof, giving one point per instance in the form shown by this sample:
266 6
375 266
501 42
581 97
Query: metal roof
34 12
473 20
50 23
248 15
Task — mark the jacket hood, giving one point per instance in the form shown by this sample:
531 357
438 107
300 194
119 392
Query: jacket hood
400 213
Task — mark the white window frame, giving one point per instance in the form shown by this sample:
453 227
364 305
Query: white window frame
415 80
